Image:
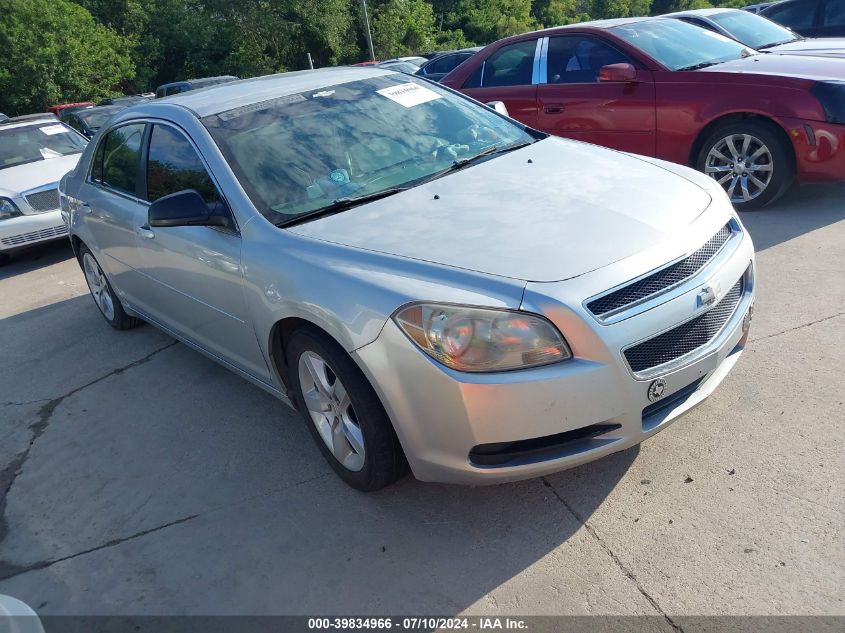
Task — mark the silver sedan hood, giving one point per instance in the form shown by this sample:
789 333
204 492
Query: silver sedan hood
551 211
14 180
827 46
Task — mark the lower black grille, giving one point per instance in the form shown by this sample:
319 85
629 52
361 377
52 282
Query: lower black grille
662 279
687 337
538 448
44 200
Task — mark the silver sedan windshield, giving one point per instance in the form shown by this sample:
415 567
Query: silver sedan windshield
301 153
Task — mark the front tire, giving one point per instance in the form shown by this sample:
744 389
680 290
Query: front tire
101 291
751 161
343 412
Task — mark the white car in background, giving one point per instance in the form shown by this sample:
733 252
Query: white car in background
35 152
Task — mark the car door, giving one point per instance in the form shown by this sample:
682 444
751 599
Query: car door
833 19
115 208
509 75
573 103
196 269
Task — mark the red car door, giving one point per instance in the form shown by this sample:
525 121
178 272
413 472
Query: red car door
573 103
508 75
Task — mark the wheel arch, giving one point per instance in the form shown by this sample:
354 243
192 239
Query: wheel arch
737 117
277 346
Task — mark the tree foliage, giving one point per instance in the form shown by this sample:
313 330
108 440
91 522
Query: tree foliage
59 50
54 50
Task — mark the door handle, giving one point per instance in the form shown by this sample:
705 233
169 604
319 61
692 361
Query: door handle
145 231
554 108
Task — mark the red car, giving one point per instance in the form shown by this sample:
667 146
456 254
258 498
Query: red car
65 108
668 89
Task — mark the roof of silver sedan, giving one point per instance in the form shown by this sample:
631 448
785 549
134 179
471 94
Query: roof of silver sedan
702 12
235 94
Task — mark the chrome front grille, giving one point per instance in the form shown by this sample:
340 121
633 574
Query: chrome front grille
34 236
662 279
687 337
44 200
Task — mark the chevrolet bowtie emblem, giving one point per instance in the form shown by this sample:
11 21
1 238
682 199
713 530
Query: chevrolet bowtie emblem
707 295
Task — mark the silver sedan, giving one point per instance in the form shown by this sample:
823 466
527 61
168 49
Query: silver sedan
430 283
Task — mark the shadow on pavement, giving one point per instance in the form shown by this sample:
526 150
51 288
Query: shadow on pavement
36 257
802 210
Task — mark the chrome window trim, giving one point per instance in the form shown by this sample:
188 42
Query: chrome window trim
670 292
535 72
544 61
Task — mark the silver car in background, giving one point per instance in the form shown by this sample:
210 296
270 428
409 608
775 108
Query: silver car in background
430 283
35 152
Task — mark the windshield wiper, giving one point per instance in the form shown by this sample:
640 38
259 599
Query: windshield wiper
460 163
773 44
699 66
341 204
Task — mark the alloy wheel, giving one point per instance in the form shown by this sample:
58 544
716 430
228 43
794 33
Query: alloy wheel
742 164
98 286
331 411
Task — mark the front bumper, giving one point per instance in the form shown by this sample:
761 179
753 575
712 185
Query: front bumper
819 150
27 230
562 415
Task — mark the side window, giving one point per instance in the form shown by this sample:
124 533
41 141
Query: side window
834 13
575 59
511 65
73 122
173 165
121 158
796 15
441 65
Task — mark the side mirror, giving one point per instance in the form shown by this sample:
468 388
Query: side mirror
619 73
184 208
499 107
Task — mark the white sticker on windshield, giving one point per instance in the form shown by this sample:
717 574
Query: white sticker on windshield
409 94
50 130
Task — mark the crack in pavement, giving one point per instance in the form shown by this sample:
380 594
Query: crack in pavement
10 473
23 404
9 570
797 327
623 568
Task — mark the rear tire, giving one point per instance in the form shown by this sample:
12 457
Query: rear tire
750 160
101 291
343 412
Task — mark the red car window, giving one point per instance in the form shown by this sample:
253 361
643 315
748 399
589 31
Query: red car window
575 59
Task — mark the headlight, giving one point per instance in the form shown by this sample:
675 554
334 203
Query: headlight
831 94
8 209
481 339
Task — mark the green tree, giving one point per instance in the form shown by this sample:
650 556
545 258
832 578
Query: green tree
53 51
488 20
402 27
